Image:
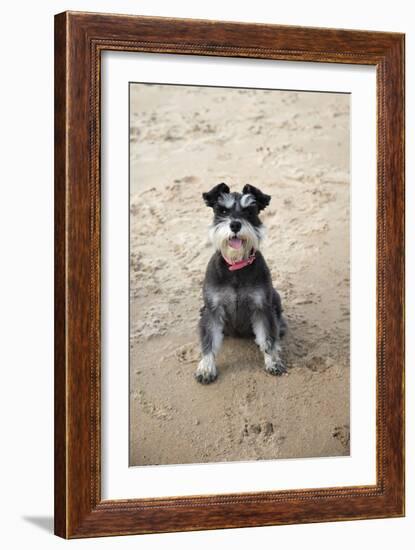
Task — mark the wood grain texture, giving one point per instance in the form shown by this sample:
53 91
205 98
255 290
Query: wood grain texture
60 277
79 40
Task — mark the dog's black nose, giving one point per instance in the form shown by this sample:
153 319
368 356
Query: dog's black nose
235 226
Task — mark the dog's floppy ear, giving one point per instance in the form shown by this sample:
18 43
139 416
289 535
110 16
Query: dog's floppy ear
261 199
211 197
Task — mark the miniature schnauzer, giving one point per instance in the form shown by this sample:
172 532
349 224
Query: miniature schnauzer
239 299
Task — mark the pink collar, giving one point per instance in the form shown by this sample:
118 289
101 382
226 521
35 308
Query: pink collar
233 266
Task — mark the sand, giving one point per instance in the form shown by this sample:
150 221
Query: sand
295 147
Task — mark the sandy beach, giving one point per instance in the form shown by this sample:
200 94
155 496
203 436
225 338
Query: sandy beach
295 147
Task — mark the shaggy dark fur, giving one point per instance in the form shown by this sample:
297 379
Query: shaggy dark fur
240 303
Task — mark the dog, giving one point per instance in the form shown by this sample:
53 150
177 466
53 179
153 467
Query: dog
239 298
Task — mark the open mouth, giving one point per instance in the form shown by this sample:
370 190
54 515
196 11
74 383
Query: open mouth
235 242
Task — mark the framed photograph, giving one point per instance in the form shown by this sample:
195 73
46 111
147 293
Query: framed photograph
229 275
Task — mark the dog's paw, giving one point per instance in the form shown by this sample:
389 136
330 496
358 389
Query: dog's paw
206 372
205 378
275 367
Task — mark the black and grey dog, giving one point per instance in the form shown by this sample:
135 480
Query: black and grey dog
239 299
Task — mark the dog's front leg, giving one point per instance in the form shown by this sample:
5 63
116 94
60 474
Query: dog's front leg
211 337
265 328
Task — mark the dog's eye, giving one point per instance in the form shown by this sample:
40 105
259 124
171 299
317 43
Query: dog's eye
224 210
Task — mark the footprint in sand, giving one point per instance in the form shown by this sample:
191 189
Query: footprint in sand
342 434
188 353
264 430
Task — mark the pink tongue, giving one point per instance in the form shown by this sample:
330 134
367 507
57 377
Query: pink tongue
235 243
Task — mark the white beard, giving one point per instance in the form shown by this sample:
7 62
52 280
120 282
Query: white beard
250 236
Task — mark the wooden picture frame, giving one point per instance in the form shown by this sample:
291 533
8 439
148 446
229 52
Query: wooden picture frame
79 40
